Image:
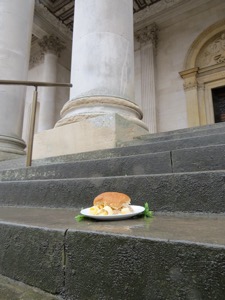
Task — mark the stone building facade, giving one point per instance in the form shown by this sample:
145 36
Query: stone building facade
178 59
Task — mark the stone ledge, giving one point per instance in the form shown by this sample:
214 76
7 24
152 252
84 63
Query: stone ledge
167 257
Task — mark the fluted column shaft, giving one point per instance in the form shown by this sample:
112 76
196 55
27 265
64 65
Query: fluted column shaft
15 40
148 41
51 47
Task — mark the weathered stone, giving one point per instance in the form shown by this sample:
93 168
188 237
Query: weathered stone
116 267
33 256
185 132
187 192
154 163
166 257
13 290
177 142
199 159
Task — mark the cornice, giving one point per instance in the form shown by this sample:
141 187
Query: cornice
156 8
60 28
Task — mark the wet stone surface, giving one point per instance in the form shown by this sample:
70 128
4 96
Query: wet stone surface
170 256
201 228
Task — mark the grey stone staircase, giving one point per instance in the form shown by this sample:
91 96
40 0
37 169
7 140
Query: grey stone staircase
178 254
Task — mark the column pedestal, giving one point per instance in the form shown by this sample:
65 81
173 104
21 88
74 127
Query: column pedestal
102 132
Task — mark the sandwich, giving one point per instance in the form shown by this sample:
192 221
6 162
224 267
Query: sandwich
111 203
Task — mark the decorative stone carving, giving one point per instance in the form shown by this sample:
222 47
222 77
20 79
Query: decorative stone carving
213 53
36 59
51 43
148 33
190 79
190 83
155 8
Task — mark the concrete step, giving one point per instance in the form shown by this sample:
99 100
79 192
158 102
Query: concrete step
164 143
185 142
167 257
184 192
14 290
175 161
153 163
185 133
149 148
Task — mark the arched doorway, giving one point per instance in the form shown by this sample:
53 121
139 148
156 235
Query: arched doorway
204 76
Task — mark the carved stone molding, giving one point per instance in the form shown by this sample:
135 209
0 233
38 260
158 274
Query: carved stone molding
52 44
190 78
148 34
155 8
213 53
190 84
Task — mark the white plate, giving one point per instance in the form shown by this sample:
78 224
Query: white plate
137 210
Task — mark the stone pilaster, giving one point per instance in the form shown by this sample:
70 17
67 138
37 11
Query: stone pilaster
15 31
51 47
191 92
147 37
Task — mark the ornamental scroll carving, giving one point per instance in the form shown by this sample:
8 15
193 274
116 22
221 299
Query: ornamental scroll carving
51 43
148 34
213 53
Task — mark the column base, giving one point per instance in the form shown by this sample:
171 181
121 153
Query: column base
11 147
97 133
81 109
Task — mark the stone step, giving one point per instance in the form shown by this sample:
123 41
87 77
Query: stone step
185 133
146 148
14 290
175 161
185 142
164 143
153 163
167 257
182 192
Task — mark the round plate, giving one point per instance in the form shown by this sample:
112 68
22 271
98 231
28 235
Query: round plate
136 210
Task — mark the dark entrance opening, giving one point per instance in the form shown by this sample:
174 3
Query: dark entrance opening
218 95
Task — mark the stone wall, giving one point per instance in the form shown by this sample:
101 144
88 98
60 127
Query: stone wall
175 37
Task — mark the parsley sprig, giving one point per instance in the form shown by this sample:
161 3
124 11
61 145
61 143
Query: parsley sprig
79 218
147 213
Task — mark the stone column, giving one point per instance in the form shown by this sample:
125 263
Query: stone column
100 113
102 62
51 47
15 39
147 37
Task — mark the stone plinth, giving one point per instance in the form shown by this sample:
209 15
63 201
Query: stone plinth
102 132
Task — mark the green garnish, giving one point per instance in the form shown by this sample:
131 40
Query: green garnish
79 218
147 213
